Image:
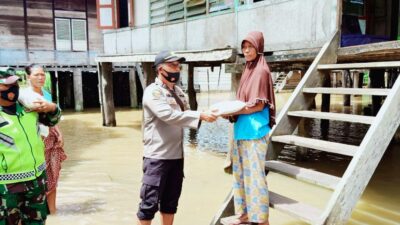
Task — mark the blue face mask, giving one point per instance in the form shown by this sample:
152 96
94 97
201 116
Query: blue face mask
172 77
11 94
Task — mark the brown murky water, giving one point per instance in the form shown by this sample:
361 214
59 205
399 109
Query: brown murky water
101 178
100 181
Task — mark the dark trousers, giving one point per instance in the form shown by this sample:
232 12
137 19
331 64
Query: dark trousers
161 188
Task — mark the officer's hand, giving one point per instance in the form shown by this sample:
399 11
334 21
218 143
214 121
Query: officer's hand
225 116
44 106
208 116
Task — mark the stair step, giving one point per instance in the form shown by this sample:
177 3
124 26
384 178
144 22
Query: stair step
348 91
231 220
321 145
333 116
369 65
307 175
294 208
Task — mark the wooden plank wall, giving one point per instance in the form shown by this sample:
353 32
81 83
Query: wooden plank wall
95 35
12 32
70 5
40 24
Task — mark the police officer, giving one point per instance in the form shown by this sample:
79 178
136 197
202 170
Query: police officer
165 114
22 163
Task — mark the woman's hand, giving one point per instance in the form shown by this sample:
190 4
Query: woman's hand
43 106
208 116
226 116
59 136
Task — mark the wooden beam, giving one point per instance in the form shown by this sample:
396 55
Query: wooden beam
107 97
191 90
26 28
333 116
326 146
78 91
140 74
149 74
235 81
133 88
383 51
294 208
213 55
371 65
227 209
306 175
348 91
234 68
278 202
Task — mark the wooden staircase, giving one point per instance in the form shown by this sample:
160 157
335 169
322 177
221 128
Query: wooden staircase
365 158
281 81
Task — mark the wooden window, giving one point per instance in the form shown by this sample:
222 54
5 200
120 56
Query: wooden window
166 10
220 5
157 11
175 10
196 7
169 10
79 40
106 14
63 34
71 34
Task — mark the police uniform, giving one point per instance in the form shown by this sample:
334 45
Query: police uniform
163 148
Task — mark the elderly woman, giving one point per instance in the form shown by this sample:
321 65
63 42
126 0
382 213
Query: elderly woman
251 128
53 139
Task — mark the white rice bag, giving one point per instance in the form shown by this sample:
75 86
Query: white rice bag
27 97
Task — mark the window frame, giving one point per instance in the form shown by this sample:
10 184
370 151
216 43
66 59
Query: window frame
71 33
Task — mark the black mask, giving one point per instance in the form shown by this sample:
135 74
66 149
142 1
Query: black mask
14 91
172 77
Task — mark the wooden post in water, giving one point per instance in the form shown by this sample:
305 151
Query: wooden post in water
78 92
377 79
107 96
191 90
325 106
346 83
235 81
133 88
149 73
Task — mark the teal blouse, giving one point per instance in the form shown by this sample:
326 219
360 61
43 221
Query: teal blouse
46 95
252 126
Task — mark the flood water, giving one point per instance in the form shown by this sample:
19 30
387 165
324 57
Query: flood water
101 178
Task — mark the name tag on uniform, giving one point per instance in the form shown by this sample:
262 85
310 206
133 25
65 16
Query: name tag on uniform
171 101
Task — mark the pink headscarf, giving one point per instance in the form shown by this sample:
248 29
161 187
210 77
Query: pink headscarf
256 82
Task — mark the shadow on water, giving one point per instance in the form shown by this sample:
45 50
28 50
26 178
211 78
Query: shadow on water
91 206
84 127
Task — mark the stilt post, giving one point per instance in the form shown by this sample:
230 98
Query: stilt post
191 90
133 88
78 92
107 96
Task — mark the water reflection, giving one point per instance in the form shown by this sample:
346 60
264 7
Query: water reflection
211 136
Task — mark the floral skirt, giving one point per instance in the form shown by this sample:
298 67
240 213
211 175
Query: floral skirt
54 155
250 186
